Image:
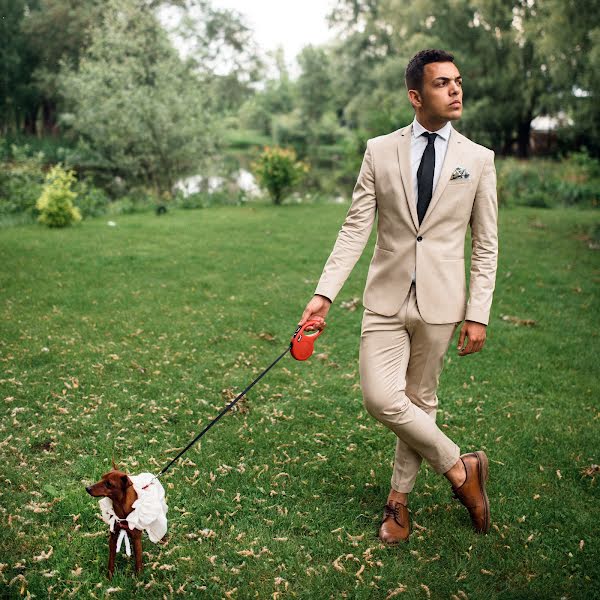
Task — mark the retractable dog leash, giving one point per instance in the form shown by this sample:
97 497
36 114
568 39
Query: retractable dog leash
301 347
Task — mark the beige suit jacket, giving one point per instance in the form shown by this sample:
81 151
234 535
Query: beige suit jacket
434 250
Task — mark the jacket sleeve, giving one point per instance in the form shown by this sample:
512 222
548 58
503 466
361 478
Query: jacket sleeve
355 231
484 245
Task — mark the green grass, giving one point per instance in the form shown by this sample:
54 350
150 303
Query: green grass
122 342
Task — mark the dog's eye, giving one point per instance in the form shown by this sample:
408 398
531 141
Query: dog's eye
107 484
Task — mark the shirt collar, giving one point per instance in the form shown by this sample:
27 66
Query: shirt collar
418 129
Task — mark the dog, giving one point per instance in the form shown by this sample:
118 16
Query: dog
117 486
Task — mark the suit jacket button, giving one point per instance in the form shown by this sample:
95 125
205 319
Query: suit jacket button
419 239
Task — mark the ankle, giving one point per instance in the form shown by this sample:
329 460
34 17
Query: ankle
457 474
401 497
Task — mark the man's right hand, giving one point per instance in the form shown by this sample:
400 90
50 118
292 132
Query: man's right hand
316 310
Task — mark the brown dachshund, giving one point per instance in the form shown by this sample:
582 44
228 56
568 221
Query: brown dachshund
117 486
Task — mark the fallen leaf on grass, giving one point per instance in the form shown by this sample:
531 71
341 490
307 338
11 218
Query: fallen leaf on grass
265 335
591 471
351 305
426 590
399 590
241 406
518 321
44 555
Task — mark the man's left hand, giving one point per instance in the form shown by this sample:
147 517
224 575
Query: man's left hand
475 334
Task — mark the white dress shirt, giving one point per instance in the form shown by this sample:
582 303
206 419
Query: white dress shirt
418 143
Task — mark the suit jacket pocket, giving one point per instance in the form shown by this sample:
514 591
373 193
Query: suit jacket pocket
461 181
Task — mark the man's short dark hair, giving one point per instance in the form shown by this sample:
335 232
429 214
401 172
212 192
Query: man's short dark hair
414 70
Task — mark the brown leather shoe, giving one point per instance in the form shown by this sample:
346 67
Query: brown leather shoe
395 526
472 492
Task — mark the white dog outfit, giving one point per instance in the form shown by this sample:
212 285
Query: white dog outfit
149 510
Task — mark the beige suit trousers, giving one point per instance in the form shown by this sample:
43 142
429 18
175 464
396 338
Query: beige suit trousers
401 359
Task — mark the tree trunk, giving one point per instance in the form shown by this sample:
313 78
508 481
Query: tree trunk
30 122
523 134
49 124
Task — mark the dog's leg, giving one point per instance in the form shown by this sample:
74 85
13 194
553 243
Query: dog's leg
136 535
112 552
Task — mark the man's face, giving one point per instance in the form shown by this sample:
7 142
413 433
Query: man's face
441 97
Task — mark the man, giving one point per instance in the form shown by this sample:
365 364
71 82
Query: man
427 182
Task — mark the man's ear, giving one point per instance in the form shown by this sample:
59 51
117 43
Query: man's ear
414 97
125 482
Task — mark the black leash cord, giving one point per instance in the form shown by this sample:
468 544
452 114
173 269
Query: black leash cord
165 469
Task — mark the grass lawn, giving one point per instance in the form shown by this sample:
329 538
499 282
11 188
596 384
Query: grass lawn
123 342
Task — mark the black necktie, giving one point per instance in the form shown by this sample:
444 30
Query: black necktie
425 176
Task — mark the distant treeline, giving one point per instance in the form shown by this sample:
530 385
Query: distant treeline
105 80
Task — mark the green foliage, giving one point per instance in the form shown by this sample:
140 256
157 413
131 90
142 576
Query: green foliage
91 201
545 183
140 111
21 182
278 171
136 200
55 205
209 199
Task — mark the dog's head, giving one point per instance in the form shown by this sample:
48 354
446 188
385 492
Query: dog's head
113 485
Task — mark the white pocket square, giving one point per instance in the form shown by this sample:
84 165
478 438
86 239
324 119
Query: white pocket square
460 173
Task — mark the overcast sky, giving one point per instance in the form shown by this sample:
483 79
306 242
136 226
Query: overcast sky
292 24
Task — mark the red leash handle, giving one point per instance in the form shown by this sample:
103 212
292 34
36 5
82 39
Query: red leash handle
303 343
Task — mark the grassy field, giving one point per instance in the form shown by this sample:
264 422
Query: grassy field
122 342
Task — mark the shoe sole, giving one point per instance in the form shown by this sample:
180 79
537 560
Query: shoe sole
483 467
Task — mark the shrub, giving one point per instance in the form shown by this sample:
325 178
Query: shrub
278 171
137 200
21 182
56 202
91 200
544 183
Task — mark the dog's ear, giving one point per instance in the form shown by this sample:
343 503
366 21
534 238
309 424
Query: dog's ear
125 481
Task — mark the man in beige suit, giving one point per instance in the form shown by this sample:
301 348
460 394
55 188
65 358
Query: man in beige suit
426 183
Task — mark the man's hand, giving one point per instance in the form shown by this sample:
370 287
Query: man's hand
475 334
316 310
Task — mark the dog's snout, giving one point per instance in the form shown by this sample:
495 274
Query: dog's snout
88 489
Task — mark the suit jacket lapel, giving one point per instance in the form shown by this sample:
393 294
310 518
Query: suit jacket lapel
404 160
451 160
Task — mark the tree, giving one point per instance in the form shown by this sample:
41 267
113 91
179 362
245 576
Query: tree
138 109
519 58
220 49
278 171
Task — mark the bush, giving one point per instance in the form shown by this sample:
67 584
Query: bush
56 202
137 200
91 200
544 183
21 182
278 171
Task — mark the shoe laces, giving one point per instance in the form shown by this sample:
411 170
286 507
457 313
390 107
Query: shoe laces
393 510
